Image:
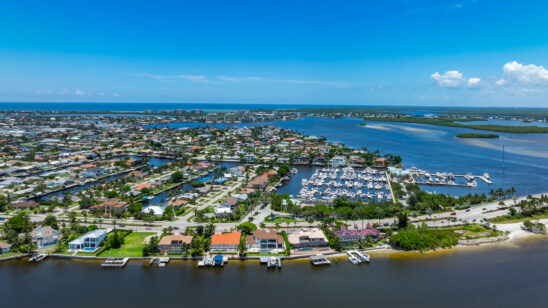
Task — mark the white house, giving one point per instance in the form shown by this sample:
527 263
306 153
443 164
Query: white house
155 210
88 242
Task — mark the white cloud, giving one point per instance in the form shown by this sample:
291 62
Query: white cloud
474 82
238 79
316 82
115 94
454 79
79 92
192 78
450 79
520 74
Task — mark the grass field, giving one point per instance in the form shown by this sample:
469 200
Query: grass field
133 246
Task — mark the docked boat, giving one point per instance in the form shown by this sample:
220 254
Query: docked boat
319 260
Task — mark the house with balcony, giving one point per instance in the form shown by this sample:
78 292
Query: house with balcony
265 240
88 242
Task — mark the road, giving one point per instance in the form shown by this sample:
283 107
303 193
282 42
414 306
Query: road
476 213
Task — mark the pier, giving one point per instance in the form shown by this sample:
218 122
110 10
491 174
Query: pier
422 177
115 262
356 257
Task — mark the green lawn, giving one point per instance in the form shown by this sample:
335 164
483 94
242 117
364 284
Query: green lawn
508 220
133 246
10 254
281 220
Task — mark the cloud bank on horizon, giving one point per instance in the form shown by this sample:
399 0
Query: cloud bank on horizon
515 77
400 52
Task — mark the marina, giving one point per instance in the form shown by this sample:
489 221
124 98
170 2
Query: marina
353 184
422 177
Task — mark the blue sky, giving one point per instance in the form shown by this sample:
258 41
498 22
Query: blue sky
401 52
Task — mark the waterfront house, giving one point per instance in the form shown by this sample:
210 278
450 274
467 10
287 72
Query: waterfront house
173 243
94 172
381 162
265 240
258 182
25 204
302 160
349 237
225 242
308 238
88 242
44 236
338 161
319 161
111 205
5 247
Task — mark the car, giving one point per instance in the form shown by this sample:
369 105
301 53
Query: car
148 228
453 214
484 209
175 228
468 210
121 225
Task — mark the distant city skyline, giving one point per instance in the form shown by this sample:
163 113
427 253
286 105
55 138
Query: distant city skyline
478 53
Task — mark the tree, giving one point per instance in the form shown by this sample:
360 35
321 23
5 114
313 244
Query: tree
402 220
242 248
196 246
151 247
149 218
3 202
283 170
67 199
72 217
177 176
246 227
209 230
51 221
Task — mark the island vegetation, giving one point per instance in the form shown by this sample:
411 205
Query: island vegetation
452 122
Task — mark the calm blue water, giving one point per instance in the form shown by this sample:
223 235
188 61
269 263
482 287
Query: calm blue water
435 148
144 106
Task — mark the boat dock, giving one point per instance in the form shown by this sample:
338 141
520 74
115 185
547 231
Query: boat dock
422 177
115 263
216 261
319 260
38 257
356 257
271 262
161 261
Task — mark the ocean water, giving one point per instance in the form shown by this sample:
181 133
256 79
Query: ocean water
144 106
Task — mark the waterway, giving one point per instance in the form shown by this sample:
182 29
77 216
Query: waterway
435 148
504 276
